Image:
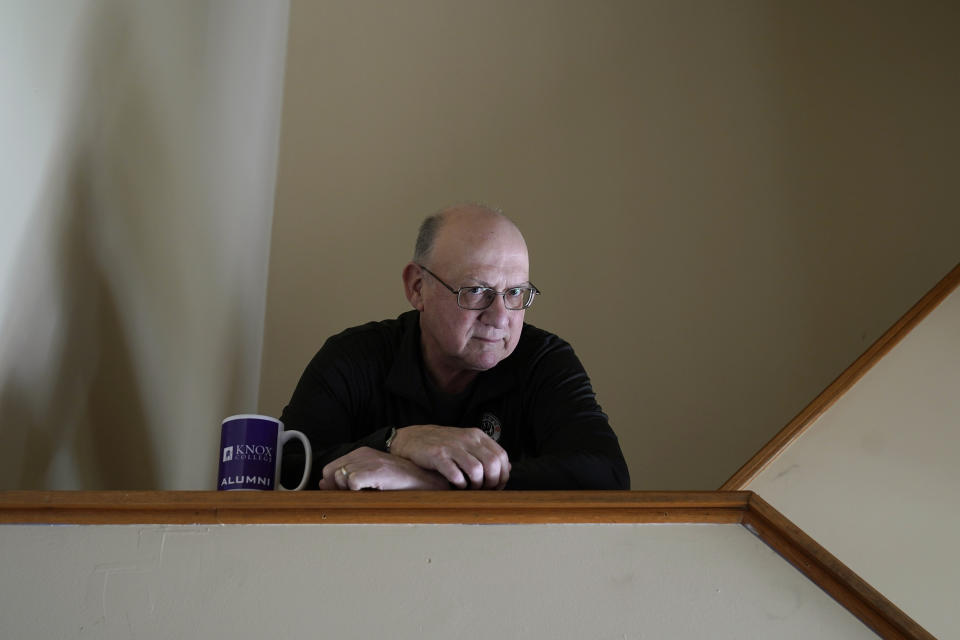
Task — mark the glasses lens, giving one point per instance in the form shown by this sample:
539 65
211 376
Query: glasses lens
528 296
515 298
475 298
478 298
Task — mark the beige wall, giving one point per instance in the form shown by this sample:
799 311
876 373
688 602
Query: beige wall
407 581
725 202
138 159
875 478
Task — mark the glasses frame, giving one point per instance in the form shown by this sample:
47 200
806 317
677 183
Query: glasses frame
533 288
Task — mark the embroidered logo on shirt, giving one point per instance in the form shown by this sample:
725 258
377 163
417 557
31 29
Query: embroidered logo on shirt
490 425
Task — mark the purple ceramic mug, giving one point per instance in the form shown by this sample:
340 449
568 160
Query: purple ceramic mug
250 451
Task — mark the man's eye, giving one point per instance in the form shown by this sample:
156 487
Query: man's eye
475 291
516 292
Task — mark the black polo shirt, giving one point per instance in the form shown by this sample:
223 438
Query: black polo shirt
537 403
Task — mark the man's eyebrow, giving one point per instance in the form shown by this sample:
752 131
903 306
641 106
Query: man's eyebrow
484 283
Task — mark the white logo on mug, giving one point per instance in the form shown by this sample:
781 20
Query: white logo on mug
227 454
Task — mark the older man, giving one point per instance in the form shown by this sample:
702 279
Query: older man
458 392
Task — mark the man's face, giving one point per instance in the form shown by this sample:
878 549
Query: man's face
489 253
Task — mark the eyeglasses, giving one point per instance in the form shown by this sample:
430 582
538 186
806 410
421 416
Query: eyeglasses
478 298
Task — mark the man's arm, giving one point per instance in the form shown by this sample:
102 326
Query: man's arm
570 444
328 407
335 400
367 468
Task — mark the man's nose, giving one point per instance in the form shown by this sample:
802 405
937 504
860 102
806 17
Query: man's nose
497 314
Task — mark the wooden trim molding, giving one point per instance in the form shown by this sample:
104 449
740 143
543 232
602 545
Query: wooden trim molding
507 507
827 572
335 507
802 421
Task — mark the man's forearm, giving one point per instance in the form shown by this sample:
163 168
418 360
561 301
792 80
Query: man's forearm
570 471
292 463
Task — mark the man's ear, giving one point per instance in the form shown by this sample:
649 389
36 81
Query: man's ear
413 284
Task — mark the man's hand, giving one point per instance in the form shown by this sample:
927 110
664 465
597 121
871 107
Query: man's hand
462 456
367 468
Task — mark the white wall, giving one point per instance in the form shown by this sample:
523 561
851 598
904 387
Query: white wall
138 156
875 478
725 202
407 581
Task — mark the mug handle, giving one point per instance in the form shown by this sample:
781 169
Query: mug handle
284 437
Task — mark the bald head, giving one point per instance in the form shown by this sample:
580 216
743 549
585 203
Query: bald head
466 215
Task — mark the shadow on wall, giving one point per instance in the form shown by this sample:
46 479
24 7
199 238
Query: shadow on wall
71 409
81 420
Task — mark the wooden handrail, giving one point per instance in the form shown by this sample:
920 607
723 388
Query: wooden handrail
506 507
831 575
802 421
436 507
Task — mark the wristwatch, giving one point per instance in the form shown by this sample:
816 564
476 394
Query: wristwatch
393 434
